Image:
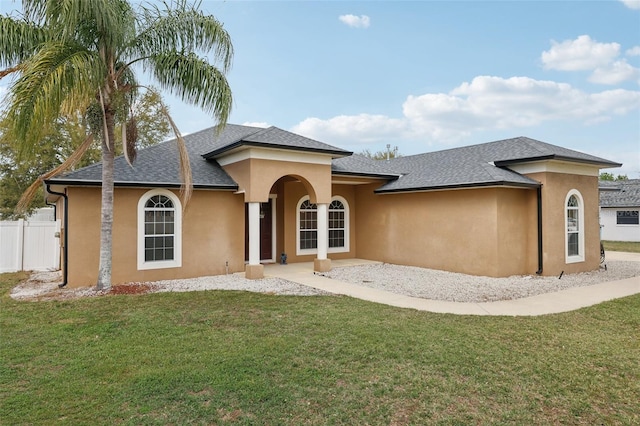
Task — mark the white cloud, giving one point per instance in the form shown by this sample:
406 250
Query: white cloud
615 73
631 4
355 21
582 53
256 124
486 103
634 51
352 129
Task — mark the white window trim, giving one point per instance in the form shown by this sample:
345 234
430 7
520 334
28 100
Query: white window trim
581 225
177 228
300 251
346 226
345 249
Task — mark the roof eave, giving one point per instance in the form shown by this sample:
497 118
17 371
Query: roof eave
604 164
216 153
367 175
460 186
126 184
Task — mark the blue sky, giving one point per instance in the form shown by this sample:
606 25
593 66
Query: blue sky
433 75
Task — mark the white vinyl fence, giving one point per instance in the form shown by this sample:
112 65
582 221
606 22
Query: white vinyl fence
29 246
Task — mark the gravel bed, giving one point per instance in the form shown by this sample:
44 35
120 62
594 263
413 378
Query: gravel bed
454 287
236 282
44 286
407 280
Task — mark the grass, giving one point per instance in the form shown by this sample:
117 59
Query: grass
628 246
221 357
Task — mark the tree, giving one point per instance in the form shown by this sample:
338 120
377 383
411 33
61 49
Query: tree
80 55
17 172
611 177
382 155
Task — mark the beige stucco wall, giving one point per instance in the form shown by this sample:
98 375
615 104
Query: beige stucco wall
476 231
212 234
555 187
256 177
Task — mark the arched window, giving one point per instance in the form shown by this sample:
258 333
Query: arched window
337 224
307 226
159 230
574 222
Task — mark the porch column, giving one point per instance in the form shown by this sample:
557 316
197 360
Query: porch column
254 270
321 263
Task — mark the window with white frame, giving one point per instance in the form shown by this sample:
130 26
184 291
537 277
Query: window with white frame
337 224
159 230
627 217
574 225
307 226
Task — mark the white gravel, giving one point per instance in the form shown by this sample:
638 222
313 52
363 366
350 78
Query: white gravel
411 281
44 286
454 287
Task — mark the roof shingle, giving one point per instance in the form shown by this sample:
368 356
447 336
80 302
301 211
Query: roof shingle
623 193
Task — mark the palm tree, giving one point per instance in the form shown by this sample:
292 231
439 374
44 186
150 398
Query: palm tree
73 56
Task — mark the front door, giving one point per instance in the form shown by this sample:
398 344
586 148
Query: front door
266 231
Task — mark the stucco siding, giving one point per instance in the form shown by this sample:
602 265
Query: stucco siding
212 234
555 187
517 232
256 177
466 231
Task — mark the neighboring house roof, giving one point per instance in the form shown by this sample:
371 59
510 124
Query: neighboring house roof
626 193
479 165
271 137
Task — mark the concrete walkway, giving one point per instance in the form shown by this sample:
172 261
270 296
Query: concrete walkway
542 304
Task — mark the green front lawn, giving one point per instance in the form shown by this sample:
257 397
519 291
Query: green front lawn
221 357
631 247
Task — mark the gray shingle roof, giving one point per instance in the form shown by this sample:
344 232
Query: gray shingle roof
478 165
523 149
274 137
359 165
625 193
158 165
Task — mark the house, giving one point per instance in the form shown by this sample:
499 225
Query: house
514 206
619 207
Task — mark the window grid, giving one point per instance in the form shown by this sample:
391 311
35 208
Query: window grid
336 224
627 217
573 226
308 225
159 229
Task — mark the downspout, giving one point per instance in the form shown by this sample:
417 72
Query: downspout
65 221
539 198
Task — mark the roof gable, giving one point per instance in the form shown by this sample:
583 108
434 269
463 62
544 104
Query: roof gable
276 138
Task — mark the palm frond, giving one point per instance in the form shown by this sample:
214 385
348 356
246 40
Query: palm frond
57 73
19 40
186 188
76 156
183 28
195 81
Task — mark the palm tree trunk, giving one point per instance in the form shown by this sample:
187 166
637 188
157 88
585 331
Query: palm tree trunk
106 229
